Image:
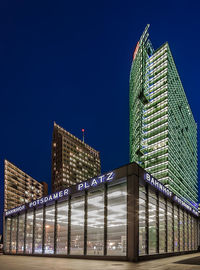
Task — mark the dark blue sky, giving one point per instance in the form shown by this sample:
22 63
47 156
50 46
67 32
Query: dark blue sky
69 61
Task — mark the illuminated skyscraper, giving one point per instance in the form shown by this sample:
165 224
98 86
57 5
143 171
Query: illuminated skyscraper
163 132
73 160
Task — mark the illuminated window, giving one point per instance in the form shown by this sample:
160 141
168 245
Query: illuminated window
181 230
189 232
8 224
77 226
95 223
152 222
117 220
14 234
21 233
49 229
169 227
176 237
29 232
38 231
62 227
142 221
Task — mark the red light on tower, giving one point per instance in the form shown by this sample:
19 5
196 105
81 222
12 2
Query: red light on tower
83 130
136 50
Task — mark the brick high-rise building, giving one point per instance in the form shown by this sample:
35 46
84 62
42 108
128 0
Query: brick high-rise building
73 160
19 187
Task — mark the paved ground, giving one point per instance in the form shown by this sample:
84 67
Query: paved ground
185 262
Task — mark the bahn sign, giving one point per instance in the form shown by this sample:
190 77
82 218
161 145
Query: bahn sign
63 193
158 185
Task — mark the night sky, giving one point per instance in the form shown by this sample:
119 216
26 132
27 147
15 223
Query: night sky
69 62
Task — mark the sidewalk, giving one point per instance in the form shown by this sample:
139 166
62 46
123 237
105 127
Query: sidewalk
184 262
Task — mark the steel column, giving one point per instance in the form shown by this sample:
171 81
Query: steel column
105 217
69 226
85 222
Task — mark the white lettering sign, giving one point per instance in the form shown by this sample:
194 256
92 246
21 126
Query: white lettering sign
96 181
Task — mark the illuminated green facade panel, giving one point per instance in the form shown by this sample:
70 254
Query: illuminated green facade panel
163 132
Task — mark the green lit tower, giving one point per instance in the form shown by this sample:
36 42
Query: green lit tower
163 132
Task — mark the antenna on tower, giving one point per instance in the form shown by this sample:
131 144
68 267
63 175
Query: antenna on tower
83 130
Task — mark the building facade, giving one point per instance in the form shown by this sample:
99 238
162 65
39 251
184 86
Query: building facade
125 214
163 132
19 187
72 160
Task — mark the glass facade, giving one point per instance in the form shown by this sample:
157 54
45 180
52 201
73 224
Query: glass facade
181 226
177 228
116 220
14 235
189 233
105 220
152 222
95 223
62 227
88 223
21 234
176 234
38 248
142 221
29 233
170 220
162 225
49 229
185 231
8 231
77 226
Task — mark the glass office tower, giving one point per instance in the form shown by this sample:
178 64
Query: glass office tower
163 132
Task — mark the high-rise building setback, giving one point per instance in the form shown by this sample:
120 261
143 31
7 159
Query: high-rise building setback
19 187
163 132
73 160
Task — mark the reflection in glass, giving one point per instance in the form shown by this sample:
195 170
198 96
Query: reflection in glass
192 233
195 233
176 240
77 226
21 233
142 220
49 229
162 225
38 231
181 229
152 223
169 227
189 231
8 224
29 232
62 227
186 231
95 223
14 234
117 220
